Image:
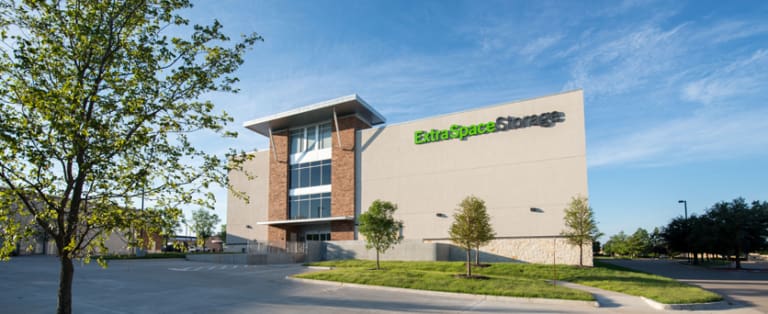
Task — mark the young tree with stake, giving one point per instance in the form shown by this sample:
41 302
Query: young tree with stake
582 228
380 228
471 227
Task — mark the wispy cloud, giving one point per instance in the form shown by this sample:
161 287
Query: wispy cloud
626 62
732 30
622 7
742 77
539 45
707 135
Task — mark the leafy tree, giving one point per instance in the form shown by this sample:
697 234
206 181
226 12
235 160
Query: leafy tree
596 245
580 221
727 228
701 236
485 233
159 222
97 103
617 245
675 235
380 228
658 245
223 233
739 226
639 243
471 227
203 222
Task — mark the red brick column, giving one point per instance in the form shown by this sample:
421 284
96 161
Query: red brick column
278 188
343 176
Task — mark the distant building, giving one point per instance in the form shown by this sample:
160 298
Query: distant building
117 243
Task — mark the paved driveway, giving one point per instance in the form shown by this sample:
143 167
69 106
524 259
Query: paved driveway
28 285
748 288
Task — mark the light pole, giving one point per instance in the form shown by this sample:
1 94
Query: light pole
685 203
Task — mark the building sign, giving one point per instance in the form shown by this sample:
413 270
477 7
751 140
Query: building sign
462 132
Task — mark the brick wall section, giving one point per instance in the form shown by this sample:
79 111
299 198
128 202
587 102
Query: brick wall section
343 176
342 230
278 188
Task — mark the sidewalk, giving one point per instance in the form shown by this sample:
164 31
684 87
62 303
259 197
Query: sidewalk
615 301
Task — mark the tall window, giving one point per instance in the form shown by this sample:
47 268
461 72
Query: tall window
297 141
310 174
310 206
325 135
311 138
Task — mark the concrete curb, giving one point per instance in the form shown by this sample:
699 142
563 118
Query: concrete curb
686 306
449 294
319 267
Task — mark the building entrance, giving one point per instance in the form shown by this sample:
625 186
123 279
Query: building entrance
317 236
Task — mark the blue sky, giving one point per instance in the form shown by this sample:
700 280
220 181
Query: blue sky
675 91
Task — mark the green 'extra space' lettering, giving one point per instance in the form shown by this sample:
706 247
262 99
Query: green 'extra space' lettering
462 132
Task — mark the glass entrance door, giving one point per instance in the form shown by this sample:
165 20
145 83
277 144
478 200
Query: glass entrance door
317 236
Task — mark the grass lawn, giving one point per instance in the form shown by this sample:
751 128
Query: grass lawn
513 279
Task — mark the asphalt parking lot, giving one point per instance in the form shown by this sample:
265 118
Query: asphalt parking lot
177 286
746 288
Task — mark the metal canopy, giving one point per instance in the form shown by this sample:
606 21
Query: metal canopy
307 221
343 106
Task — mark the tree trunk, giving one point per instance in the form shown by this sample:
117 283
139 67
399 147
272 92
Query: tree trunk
469 263
581 256
377 260
65 286
738 257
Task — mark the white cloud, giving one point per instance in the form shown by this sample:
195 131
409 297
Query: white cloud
539 45
706 135
741 77
626 62
732 30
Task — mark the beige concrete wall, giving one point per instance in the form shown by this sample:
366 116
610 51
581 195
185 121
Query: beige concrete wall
242 217
527 250
511 170
406 250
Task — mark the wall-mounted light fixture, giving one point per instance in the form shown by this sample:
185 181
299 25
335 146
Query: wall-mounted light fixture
248 227
441 215
536 210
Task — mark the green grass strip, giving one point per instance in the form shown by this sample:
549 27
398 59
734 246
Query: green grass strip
513 279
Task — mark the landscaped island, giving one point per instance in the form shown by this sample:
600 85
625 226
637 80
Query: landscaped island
512 279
